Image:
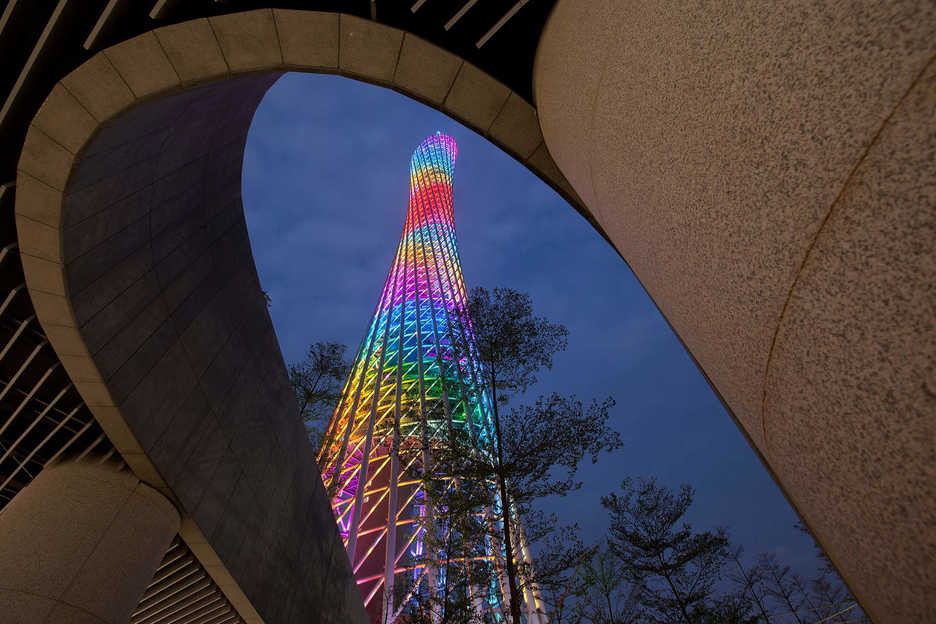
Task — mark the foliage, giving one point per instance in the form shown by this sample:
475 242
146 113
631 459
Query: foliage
537 448
458 572
653 566
317 381
560 569
730 608
605 595
677 575
512 346
749 584
673 568
542 445
777 594
512 343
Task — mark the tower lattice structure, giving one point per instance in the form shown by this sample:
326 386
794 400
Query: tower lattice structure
416 373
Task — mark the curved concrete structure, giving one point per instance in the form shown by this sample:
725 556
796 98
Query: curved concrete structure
768 174
137 260
80 544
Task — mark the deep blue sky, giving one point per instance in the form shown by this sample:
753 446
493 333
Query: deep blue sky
325 192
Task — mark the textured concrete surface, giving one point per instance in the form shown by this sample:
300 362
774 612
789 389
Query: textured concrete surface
51 162
100 89
715 144
160 280
167 300
517 128
308 38
70 123
193 50
856 344
243 38
369 49
106 533
476 97
425 70
143 65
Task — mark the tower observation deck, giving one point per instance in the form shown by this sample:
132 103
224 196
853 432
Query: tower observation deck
415 374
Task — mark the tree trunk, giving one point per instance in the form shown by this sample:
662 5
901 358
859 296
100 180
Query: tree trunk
505 512
749 585
682 607
784 592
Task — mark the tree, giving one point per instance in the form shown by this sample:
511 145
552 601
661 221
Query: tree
536 448
674 572
606 596
317 381
674 567
834 603
749 583
777 594
562 561
454 549
512 345
480 489
826 594
541 446
779 583
730 608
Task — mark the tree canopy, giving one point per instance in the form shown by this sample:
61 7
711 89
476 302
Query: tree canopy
317 381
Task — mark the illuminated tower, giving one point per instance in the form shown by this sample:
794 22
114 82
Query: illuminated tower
406 385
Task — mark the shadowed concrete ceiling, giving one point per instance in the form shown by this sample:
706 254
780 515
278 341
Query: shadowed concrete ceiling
42 40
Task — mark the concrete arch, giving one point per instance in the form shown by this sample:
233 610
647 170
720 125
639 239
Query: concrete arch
806 305
136 257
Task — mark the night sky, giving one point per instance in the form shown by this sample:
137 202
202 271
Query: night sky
325 191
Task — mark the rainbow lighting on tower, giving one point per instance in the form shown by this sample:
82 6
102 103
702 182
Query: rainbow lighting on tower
405 386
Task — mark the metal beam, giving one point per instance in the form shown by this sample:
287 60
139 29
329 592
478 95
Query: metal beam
47 34
500 23
459 15
111 14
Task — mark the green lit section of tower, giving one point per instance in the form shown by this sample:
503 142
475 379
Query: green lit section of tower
415 373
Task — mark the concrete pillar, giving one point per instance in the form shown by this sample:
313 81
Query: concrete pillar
79 545
766 169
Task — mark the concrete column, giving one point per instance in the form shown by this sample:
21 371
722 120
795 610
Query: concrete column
766 169
79 545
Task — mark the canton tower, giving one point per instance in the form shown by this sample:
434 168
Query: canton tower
407 388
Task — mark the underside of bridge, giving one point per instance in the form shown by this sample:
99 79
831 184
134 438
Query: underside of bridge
768 173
